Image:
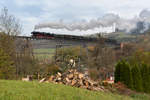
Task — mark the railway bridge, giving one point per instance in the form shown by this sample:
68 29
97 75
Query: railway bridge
38 43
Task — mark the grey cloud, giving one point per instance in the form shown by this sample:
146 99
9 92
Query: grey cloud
82 9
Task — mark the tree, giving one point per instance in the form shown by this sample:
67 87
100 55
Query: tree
137 78
102 58
25 62
7 43
64 54
145 70
18 51
127 76
117 72
9 24
148 80
7 70
123 73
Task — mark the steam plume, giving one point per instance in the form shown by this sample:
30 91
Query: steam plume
138 24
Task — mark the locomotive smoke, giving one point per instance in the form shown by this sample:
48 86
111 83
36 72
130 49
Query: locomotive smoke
107 20
139 24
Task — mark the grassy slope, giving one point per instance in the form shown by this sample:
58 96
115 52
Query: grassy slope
16 90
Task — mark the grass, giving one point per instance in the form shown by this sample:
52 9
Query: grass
17 90
49 50
43 54
42 57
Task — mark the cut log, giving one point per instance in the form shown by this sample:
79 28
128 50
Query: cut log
59 74
74 78
73 82
70 76
80 76
42 80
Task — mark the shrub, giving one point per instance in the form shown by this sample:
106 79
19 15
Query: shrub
93 73
52 69
63 56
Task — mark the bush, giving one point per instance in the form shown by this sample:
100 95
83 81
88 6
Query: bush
63 56
93 73
52 69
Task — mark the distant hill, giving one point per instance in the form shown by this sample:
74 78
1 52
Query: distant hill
120 36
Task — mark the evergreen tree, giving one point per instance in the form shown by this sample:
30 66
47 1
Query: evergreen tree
145 77
127 75
148 78
117 72
137 78
122 73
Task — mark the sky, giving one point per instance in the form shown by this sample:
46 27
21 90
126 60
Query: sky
33 12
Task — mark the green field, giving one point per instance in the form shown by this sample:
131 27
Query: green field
17 90
49 50
43 54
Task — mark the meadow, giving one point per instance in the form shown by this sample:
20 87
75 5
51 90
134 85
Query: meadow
44 53
18 90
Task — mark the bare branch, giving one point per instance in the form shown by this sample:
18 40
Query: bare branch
9 24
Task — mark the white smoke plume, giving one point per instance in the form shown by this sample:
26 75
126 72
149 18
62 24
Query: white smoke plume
139 24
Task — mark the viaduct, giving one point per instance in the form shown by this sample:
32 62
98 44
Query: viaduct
51 43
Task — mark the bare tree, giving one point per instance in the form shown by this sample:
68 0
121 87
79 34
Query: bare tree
9 24
102 59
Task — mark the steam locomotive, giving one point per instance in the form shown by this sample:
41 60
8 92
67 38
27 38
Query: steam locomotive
44 35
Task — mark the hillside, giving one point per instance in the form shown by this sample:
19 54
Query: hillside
17 90
123 37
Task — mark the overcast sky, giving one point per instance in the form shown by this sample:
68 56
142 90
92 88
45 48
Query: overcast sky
32 12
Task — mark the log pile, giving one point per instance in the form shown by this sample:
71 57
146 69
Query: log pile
74 78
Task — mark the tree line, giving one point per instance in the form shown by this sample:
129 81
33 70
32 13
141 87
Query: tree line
16 58
135 77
